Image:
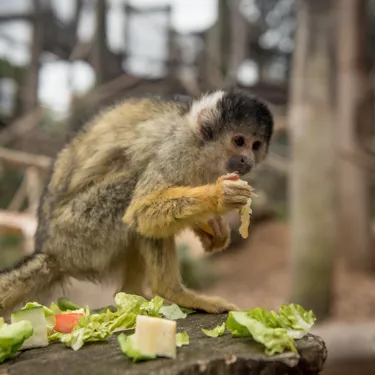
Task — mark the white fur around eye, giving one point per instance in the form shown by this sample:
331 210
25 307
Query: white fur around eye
206 103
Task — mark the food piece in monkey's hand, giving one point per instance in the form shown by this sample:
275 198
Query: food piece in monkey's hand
245 213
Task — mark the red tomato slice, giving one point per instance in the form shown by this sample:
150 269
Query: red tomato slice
66 322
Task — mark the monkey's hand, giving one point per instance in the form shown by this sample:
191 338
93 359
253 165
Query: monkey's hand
232 193
219 237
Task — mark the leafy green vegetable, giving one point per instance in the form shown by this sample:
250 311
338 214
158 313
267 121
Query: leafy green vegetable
275 331
127 347
98 326
91 327
182 339
172 312
275 340
296 320
215 332
187 311
12 336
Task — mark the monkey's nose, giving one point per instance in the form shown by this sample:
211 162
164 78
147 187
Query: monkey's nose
240 164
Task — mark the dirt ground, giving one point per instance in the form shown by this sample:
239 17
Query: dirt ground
257 274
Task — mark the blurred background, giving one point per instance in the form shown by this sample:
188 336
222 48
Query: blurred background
311 237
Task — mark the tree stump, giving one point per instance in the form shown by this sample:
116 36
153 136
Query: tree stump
204 355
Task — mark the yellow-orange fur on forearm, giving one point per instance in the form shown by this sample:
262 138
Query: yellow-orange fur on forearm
167 212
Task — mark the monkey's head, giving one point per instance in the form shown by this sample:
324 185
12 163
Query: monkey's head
233 130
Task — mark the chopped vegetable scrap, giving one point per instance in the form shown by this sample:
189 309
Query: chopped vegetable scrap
155 325
215 332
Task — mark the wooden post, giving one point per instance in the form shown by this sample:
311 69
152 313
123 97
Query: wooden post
312 181
30 89
100 45
238 40
353 182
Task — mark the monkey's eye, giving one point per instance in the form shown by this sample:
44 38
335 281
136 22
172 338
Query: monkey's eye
239 141
256 145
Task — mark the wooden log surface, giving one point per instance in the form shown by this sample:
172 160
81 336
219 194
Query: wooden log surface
205 355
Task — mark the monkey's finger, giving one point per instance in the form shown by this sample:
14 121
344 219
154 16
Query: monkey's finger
232 189
235 202
215 227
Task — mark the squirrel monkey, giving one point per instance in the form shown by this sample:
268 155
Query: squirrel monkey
134 177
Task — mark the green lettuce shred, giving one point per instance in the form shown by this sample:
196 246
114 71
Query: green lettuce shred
172 312
182 338
215 332
98 326
127 347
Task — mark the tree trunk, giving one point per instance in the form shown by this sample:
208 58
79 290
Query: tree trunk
312 182
30 89
238 40
100 47
354 189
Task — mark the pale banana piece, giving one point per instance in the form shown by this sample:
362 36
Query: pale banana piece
245 213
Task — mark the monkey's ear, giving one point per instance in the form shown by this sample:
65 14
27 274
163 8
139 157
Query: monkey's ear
205 113
205 122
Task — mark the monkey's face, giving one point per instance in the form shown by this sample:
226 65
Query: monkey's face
243 151
235 130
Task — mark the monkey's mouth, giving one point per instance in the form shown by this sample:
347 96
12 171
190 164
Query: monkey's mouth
240 165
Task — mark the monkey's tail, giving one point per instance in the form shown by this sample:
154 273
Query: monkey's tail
24 282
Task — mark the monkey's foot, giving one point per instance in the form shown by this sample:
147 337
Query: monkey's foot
189 299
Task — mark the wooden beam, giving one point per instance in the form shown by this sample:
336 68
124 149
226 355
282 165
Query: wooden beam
15 17
20 159
30 89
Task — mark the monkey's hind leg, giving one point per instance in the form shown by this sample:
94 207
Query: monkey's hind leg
132 273
162 268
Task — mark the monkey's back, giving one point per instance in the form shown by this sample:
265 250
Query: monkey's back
122 139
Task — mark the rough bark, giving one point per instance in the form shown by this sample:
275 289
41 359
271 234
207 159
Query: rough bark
312 182
205 355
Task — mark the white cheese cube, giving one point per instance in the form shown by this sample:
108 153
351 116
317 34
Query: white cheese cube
155 336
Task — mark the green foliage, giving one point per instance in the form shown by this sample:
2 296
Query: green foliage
12 71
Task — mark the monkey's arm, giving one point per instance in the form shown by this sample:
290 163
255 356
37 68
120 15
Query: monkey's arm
165 212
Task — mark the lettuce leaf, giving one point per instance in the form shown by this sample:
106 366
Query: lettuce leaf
182 338
215 332
187 311
172 312
98 326
275 340
276 331
12 336
127 347
296 320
